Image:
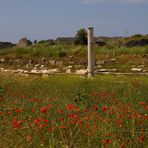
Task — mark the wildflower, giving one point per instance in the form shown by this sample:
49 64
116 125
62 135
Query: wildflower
70 107
37 120
135 115
8 112
61 119
51 129
62 126
36 100
33 111
95 107
43 109
107 141
19 110
73 116
105 108
16 123
43 125
45 120
60 111
119 124
141 138
123 145
142 103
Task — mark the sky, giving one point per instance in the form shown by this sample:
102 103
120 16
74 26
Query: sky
46 19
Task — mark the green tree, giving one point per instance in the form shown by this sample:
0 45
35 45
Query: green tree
81 37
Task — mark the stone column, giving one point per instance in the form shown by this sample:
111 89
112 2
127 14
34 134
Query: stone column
91 62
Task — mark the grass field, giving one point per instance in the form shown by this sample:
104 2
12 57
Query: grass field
56 51
72 111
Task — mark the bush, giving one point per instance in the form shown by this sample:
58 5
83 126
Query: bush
62 54
81 37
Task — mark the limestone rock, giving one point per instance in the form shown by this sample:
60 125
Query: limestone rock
81 71
113 60
2 60
43 60
7 70
102 70
141 66
31 62
69 71
44 71
59 63
27 65
1 69
35 68
99 66
42 66
26 71
136 69
52 62
33 71
20 71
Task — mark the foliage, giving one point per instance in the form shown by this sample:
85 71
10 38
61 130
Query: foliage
135 40
81 37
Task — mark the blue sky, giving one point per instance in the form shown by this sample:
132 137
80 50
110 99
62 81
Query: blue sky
44 19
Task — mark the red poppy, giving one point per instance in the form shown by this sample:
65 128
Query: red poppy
95 107
62 126
141 138
19 110
107 141
43 109
70 107
73 116
51 129
16 123
105 108
142 103
60 111
37 120
45 120
33 111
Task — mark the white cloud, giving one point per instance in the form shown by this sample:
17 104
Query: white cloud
115 1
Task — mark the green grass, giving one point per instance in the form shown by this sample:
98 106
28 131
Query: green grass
63 86
54 51
72 111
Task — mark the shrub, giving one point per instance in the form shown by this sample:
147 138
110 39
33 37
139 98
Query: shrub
62 54
81 37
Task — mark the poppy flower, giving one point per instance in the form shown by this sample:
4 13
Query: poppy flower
43 109
107 141
142 103
105 108
36 120
45 120
16 123
95 107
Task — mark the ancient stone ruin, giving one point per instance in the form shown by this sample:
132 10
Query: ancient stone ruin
23 42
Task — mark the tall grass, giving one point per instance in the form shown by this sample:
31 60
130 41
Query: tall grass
68 87
54 51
